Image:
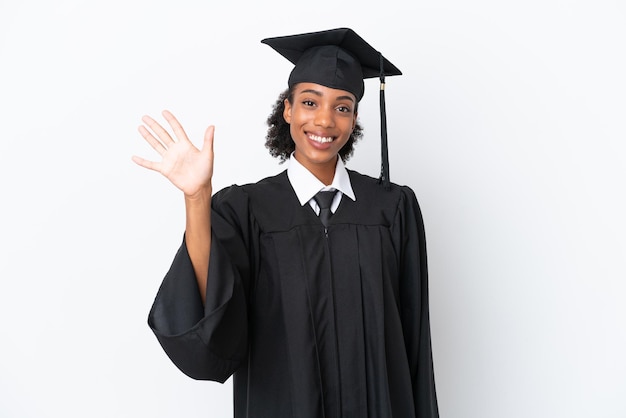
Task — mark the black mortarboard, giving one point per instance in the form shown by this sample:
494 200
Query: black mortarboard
339 59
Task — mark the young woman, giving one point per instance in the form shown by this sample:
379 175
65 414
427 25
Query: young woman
317 303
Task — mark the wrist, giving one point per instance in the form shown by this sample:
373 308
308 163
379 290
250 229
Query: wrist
201 195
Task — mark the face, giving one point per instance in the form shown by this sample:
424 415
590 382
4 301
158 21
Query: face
321 120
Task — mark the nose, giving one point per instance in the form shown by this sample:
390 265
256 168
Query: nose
324 117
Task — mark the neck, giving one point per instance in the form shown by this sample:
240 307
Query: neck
326 178
324 172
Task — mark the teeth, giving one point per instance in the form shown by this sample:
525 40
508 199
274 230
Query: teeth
321 139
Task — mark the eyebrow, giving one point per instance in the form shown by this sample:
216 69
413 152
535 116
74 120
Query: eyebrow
319 93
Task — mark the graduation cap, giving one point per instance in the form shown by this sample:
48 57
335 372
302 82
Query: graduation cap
338 59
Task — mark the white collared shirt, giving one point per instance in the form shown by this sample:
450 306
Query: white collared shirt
306 185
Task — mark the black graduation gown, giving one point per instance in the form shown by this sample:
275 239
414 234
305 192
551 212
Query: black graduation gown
313 322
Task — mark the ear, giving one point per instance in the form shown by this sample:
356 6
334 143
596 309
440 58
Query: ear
287 111
356 115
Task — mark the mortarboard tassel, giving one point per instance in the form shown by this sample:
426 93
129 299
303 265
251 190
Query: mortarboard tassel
384 170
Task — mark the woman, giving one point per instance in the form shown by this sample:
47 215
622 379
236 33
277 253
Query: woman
317 303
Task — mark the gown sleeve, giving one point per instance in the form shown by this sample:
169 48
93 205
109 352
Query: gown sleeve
414 305
208 342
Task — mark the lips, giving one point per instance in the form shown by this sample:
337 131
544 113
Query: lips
320 139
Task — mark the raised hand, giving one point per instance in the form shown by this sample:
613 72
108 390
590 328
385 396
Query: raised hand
187 167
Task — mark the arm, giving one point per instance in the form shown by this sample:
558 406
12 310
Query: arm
201 324
190 170
198 236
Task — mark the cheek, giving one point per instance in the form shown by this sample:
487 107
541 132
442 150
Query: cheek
292 132
350 126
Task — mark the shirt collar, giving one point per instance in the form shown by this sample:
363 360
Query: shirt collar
306 185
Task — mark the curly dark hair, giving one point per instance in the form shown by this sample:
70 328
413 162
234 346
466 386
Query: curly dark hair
278 139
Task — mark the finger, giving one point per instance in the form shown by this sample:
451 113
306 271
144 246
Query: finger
208 139
179 132
151 165
154 143
207 146
163 135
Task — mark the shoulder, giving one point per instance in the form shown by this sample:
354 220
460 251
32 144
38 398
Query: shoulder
369 189
236 192
268 201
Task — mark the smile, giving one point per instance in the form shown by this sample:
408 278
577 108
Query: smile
320 139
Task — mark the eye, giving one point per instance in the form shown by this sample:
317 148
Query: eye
308 103
344 109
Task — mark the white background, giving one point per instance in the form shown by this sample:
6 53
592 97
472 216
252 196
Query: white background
509 124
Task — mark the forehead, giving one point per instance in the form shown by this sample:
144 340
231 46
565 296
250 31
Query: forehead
323 91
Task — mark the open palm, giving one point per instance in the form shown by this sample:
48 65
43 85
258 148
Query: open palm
187 167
